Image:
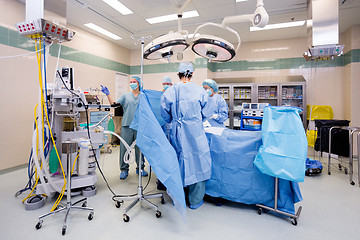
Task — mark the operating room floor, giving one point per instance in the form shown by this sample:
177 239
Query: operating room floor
331 210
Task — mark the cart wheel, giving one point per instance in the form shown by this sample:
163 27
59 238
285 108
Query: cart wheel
126 218
84 204
345 170
63 231
352 183
340 167
91 216
293 221
162 200
38 225
118 204
109 150
329 173
158 214
259 210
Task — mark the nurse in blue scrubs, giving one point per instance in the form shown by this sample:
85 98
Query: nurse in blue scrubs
218 104
129 101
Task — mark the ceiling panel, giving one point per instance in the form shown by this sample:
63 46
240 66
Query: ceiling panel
79 11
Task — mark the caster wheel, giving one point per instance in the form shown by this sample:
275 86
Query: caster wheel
259 211
126 218
345 170
109 150
38 225
158 214
340 167
84 204
293 221
162 200
352 183
329 173
63 231
91 216
118 204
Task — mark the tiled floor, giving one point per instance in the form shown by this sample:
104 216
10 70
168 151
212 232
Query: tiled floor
331 210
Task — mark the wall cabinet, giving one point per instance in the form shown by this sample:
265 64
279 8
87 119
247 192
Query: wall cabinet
276 94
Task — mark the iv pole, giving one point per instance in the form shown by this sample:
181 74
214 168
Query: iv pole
140 196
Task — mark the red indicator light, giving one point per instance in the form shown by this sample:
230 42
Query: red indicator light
63 35
33 28
27 25
29 29
23 25
53 27
52 30
32 24
19 26
48 25
20 30
46 28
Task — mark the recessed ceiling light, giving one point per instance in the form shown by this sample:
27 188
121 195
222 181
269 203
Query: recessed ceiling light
102 31
172 17
278 25
118 6
241 0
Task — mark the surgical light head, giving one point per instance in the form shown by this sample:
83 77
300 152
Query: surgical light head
213 48
165 46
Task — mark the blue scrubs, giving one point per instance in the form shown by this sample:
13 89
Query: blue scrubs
219 107
185 105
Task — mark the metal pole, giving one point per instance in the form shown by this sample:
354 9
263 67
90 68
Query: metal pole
68 179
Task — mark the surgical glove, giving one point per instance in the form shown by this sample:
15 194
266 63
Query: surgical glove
206 124
105 90
214 116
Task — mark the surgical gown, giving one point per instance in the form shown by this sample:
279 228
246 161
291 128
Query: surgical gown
219 107
185 105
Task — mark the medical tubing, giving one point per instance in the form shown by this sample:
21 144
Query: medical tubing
54 86
128 148
52 138
47 106
28 184
44 113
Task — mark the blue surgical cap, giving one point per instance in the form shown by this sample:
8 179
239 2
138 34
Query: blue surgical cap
211 83
186 67
166 79
138 79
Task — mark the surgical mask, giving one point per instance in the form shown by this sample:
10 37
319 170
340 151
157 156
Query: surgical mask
209 92
166 86
133 86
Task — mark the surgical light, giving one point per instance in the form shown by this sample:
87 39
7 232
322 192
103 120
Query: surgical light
118 6
172 17
213 48
165 46
102 31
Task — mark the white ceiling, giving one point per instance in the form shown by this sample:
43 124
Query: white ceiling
79 12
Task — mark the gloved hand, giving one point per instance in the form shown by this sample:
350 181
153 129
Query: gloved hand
206 124
214 116
105 90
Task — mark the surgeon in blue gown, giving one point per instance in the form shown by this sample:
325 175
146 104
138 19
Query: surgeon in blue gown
185 105
218 104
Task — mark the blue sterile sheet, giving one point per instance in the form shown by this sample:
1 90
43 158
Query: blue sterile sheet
156 148
236 178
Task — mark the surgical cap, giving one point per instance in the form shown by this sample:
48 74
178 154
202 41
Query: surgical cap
186 67
166 79
138 80
211 83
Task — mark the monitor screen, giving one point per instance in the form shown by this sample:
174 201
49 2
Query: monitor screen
246 106
254 106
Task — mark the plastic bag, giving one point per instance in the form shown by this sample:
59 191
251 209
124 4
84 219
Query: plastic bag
284 148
